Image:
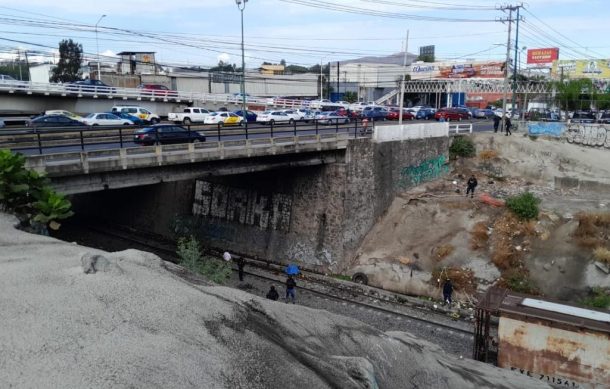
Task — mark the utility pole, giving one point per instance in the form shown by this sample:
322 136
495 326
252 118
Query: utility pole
404 79
516 63
510 9
338 78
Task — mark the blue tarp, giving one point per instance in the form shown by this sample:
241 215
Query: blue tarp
292 270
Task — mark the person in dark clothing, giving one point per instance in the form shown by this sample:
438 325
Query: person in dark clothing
472 183
447 291
496 122
273 294
290 289
507 125
240 268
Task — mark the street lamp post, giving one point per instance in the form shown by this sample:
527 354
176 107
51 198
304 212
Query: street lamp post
241 4
97 44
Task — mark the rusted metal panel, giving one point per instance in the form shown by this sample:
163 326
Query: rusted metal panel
576 357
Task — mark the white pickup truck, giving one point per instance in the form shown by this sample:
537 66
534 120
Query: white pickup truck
189 115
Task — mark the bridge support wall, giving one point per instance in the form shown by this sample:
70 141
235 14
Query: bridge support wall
312 214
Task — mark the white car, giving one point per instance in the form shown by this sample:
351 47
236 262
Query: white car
271 117
295 114
105 119
224 119
319 103
359 106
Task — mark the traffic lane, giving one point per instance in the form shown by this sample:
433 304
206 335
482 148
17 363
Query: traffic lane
210 136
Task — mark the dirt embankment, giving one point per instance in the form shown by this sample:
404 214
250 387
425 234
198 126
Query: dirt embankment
435 232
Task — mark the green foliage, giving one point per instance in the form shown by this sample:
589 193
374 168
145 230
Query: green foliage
190 254
524 205
571 93
599 298
70 59
426 58
17 69
520 282
462 147
341 277
28 194
350 97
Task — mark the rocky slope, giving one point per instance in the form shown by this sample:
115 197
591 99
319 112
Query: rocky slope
74 317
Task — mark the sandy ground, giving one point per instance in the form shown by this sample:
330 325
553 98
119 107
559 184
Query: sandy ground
400 251
131 323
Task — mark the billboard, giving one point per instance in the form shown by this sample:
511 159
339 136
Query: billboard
426 50
443 70
542 56
581 68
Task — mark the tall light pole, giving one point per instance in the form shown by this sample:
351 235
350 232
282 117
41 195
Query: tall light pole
99 74
241 4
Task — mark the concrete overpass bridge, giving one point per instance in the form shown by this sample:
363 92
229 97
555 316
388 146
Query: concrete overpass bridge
309 197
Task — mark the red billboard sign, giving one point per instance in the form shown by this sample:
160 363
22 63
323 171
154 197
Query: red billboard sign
538 56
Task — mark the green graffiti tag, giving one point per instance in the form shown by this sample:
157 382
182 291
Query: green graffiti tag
425 171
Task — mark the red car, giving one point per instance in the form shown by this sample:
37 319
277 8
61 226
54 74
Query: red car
395 113
344 112
157 90
449 114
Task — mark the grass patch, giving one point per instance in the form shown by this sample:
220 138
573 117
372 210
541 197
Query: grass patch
598 298
534 138
341 277
602 254
189 253
443 251
593 229
462 147
524 205
487 155
518 280
479 236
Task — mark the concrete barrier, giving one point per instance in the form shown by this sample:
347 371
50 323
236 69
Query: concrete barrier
396 132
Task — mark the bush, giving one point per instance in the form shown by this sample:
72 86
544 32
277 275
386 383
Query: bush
599 298
524 205
29 195
602 254
462 147
189 253
519 281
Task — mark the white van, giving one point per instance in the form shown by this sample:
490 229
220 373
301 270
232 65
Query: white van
140 112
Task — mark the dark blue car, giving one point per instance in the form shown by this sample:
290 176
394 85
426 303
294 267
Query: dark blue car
165 134
250 116
425 113
375 113
124 115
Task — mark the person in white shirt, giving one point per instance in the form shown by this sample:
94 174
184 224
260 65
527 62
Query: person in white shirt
226 256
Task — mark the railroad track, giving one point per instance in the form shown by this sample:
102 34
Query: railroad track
326 290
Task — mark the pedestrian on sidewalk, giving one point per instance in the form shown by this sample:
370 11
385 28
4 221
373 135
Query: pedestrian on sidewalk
291 285
273 294
471 184
447 291
507 125
240 267
496 122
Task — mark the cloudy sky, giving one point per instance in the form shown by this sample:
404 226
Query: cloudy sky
304 32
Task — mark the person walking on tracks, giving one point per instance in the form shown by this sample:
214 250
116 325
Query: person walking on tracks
240 267
291 285
507 125
447 291
273 294
497 119
471 184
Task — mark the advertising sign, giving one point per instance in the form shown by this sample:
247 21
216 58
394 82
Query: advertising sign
473 70
581 68
542 56
440 70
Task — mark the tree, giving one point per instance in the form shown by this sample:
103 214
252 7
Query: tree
70 59
350 97
572 93
283 62
224 67
296 69
426 58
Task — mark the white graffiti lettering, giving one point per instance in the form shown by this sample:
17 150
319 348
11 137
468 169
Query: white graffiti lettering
597 135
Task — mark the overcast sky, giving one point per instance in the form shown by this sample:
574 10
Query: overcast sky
199 32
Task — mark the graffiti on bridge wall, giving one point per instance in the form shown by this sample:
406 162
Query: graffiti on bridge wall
244 206
427 170
555 129
589 134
